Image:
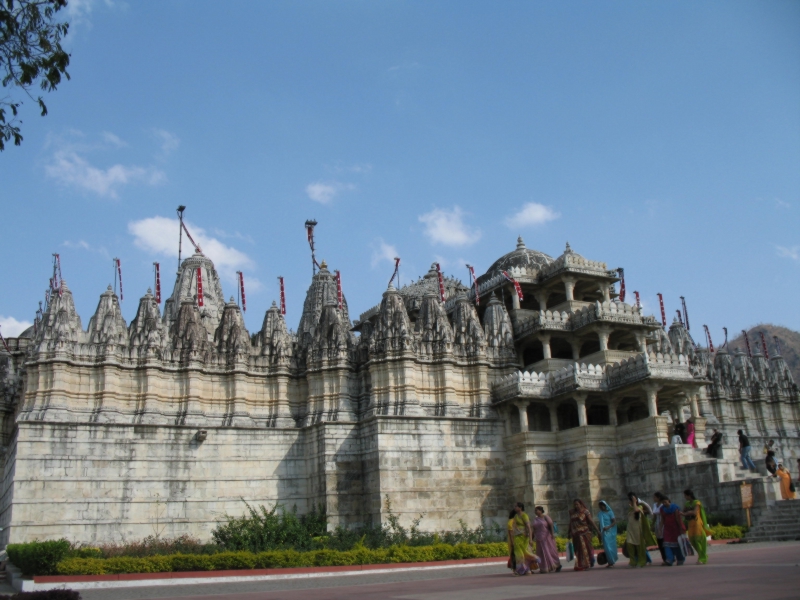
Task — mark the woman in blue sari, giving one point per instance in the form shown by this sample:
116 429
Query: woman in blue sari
608 527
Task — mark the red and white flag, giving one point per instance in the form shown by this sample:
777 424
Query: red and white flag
474 283
621 273
119 271
241 289
158 282
441 282
283 297
516 285
638 300
339 289
663 314
708 335
199 287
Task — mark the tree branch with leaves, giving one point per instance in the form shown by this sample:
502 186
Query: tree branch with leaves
30 54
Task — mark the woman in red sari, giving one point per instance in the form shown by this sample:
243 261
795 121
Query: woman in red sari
581 526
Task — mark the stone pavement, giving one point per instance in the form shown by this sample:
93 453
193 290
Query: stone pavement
762 571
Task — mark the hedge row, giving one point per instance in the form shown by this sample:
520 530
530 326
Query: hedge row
277 559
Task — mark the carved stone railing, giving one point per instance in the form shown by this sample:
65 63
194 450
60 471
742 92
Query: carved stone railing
578 376
607 312
592 378
571 262
522 384
542 321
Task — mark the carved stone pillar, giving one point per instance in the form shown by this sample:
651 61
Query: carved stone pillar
603 333
514 298
507 420
651 389
541 297
580 400
641 341
605 289
612 412
553 417
522 406
545 339
694 404
569 287
576 349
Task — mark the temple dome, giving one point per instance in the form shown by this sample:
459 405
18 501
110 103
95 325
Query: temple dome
532 260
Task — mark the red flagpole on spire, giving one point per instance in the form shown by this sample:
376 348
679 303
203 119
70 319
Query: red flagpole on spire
339 290
241 289
764 345
310 224
685 313
708 336
158 282
747 343
638 300
283 297
621 273
199 287
441 282
474 283
663 314
118 271
396 271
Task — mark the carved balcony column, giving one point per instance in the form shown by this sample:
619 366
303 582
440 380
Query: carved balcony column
569 287
603 333
693 396
545 339
613 404
576 348
652 389
522 406
553 417
541 297
605 289
514 298
507 420
580 400
641 341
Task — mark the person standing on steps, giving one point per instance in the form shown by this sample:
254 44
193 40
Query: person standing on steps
744 451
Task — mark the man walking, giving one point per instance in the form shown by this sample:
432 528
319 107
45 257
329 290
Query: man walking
744 451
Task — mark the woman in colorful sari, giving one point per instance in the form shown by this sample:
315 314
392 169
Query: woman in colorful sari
608 529
520 540
697 525
690 439
544 534
639 535
581 526
786 483
673 528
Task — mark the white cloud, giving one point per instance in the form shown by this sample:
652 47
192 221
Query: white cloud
159 235
782 203
113 139
10 327
324 192
71 169
532 213
84 245
793 252
169 141
383 252
447 227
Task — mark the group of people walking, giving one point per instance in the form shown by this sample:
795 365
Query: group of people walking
676 531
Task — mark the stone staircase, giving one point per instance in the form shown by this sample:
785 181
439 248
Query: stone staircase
779 522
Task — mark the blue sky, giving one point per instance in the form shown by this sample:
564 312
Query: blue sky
662 137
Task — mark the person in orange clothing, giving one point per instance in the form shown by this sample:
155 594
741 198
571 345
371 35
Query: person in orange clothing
787 487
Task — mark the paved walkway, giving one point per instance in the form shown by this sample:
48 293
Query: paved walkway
763 571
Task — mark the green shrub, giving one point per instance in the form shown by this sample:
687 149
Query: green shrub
727 532
38 558
85 552
277 559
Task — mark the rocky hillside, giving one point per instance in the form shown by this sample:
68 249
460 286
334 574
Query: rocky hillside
789 340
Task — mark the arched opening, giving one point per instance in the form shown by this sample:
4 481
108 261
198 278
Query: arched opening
560 348
533 353
597 414
623 340
538 417
567 416
589 347
637 411
556 299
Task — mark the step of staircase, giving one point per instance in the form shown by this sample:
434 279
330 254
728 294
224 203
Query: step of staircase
780 522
